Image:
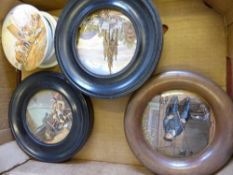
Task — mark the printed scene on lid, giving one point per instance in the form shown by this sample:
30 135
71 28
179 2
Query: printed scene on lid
178 124
106 42
49 116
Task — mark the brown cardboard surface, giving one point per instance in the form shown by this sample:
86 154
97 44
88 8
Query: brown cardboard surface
7 78
196 40
47 5
230 57
108 142
77 168
5 136
222 6
229 17
230 41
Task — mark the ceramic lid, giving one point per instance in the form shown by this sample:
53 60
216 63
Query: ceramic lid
50 60
25 37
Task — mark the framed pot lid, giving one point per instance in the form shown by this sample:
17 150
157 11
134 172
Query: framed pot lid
107 48
49 119
26 37
180 123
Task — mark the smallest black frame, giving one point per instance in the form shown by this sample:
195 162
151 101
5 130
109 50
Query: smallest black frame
79 105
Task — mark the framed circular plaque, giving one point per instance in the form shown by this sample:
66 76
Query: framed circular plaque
108 48
177 124
27 38
49 119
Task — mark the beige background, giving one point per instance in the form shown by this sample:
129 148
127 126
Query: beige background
7 78
198 39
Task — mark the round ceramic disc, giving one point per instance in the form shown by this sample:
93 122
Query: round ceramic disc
51 59
25 37
52 107
113 36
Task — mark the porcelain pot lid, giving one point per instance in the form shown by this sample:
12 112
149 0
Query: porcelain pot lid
25 36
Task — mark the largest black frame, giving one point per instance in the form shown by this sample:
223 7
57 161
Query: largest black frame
148 30
82 118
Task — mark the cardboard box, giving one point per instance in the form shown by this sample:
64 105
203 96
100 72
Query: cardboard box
199 38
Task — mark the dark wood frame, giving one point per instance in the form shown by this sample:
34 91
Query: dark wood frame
81 111
214 156
149 33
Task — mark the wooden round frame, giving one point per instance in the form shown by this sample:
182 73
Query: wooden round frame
82 118
148 30
217 152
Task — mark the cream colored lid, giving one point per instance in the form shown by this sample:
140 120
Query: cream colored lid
25 37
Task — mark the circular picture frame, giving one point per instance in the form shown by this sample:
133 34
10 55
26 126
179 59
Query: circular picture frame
52 136
207 161
149 35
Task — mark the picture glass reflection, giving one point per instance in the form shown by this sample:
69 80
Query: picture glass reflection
106 42
178 124
49 116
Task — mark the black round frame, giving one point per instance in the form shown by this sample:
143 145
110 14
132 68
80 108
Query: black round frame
148 29
81 125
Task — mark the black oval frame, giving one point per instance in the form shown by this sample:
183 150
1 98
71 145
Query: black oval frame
81 125
149 33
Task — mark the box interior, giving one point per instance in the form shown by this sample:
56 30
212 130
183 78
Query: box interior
199 38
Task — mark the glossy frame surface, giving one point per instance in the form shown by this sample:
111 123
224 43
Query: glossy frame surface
148 29
81 123
217 152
